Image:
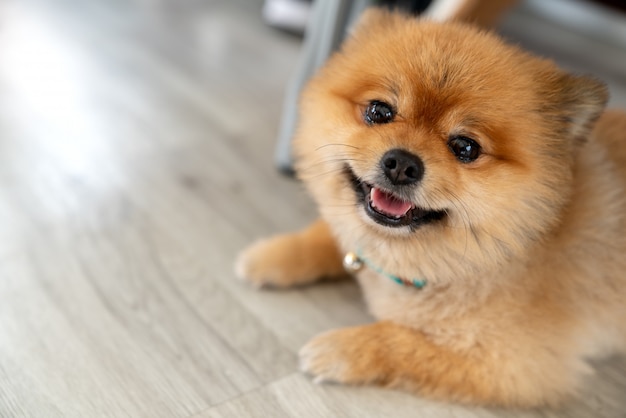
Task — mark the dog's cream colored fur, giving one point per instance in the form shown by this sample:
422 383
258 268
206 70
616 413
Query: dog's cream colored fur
526 273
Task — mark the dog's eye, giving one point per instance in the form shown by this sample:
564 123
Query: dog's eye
464 149
378 112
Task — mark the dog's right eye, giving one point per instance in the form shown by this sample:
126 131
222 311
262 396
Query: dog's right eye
378 112
464 149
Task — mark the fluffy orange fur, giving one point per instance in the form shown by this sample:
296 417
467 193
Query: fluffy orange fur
526 271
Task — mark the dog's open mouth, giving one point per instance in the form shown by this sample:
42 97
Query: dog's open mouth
388 209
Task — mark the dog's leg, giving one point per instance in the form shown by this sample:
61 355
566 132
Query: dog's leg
392 355
292 259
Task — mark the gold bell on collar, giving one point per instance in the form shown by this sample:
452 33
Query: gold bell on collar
352 262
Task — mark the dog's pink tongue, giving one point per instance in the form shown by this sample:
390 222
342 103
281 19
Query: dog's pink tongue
389 204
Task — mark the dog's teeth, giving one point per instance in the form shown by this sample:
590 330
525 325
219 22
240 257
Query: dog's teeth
372 197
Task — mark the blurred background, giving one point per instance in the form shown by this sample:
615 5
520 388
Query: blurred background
137 143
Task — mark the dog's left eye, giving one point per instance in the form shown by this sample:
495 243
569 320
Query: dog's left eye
464 149
378 112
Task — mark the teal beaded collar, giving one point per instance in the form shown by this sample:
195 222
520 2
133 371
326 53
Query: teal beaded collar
354 262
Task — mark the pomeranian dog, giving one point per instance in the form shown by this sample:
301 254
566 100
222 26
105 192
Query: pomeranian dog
479 194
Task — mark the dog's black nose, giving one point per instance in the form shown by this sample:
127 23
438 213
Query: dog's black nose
401 167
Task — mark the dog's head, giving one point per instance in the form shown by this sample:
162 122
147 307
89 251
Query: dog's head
419 132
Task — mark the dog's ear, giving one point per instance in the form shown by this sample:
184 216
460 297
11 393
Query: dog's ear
581 101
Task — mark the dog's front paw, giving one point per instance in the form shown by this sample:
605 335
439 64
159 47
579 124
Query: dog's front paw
338 356
268 263
292 259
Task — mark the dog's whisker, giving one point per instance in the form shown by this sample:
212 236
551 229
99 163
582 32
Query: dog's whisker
335 159
336 145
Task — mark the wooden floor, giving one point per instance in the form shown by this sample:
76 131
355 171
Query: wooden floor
136 142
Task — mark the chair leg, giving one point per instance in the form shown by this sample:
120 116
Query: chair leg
325 31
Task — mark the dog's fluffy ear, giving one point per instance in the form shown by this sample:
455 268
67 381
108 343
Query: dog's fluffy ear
581 101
